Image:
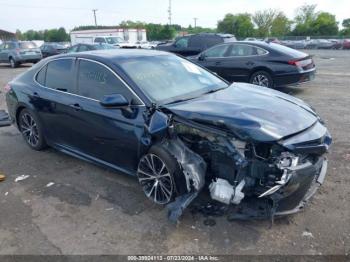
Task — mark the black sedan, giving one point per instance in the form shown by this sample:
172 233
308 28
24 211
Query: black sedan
50 49
260 63
175 126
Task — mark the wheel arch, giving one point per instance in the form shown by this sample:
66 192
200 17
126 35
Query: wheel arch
261 68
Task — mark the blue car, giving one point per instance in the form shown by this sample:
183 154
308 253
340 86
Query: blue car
177 127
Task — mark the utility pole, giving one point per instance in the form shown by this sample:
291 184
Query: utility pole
169 12
195 22
94 10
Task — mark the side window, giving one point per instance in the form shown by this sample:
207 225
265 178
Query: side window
212 40
196 41
182 42
100 40
41 76
59 75
217 51
73 49
261 51
96 81
243 50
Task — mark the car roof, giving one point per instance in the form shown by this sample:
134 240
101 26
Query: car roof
109 55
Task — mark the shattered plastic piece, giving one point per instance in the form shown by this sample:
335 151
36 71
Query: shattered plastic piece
6 193
193 165
109 209
176 208
2 177
22 177
50 184
307 234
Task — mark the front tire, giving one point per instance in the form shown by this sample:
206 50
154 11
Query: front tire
262 78
31 129
159 173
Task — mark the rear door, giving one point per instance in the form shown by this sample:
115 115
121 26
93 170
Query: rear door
3 52
109 134
214 59
240 61
55 101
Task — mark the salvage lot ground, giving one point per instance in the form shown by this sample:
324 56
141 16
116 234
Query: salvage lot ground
89 210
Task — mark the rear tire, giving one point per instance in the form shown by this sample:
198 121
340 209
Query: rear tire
31 129
262 78
13 63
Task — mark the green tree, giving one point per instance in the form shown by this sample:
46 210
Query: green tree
325 24
264 20
346 29
305 16
239 25
281 25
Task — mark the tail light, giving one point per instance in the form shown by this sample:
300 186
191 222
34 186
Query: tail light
301 63
7 88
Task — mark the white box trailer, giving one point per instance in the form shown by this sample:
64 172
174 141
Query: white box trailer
108 36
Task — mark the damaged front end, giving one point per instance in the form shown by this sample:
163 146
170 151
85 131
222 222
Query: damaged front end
260 179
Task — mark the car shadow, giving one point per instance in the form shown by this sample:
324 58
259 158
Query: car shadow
7 66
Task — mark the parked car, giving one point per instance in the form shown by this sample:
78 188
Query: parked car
88 47
260 63
337 43
272 40
50 49
346 44
175 126
295 44
16 53
194 44
110 40
319 44
144 45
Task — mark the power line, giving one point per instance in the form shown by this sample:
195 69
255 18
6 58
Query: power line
94 10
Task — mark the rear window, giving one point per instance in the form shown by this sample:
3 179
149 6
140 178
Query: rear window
59 75
27 45
287 50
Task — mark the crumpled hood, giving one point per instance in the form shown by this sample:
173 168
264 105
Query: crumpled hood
252 112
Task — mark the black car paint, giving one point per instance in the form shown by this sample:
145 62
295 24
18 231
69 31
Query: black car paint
118 137
255 118
196 43
274 62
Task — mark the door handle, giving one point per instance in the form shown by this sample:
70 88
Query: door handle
250 63
217 63
76 107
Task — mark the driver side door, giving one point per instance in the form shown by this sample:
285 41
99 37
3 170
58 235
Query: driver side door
108 135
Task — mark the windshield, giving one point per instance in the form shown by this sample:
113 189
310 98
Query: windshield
168 78
114 40
27 45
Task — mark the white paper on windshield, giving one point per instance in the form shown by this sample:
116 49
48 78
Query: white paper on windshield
191 68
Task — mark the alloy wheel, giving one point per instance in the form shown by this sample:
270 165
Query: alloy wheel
29 129
261 80
155 179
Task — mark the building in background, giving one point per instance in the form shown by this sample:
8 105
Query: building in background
5 36
127 34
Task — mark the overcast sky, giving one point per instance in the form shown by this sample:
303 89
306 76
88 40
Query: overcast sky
44 14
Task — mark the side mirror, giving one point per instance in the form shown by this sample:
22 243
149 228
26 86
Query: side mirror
201 57
115 100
